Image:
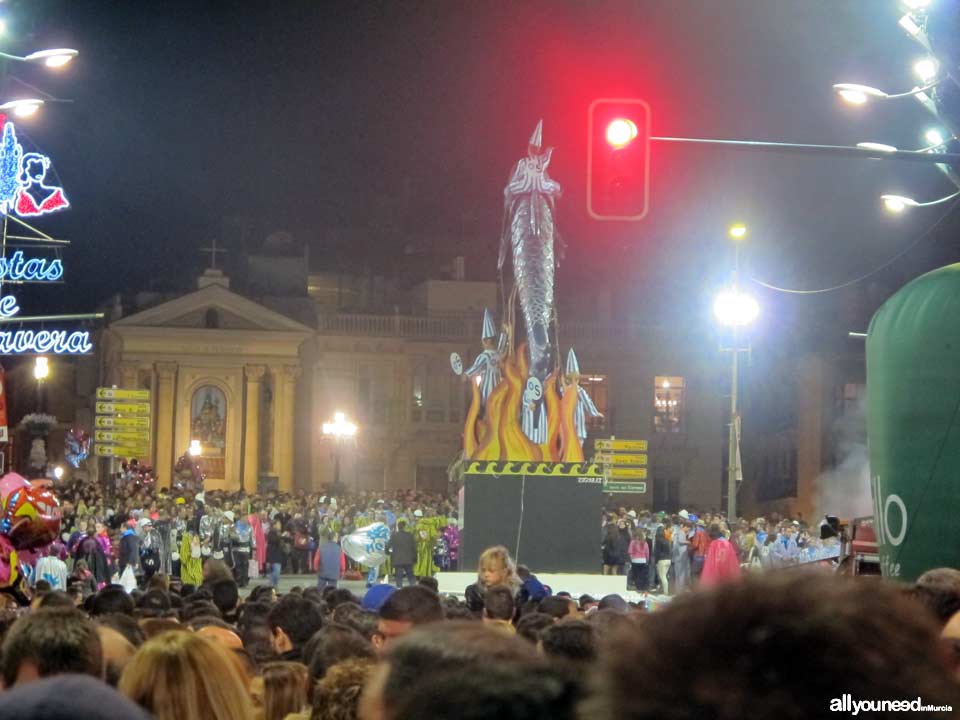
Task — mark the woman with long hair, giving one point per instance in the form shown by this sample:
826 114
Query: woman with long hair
281 690
180 676
496 567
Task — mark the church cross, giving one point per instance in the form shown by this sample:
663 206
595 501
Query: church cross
213 250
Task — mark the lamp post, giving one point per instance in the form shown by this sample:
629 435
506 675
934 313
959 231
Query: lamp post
734 309
41 370
339 430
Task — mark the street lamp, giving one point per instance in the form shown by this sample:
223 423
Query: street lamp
735 309
340 429
54 58
23 108
41 371
898 203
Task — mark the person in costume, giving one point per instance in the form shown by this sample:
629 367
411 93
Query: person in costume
722 563
191 562
585 405
487 364
426 534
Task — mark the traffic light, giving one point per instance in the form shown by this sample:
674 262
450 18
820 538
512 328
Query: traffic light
618 159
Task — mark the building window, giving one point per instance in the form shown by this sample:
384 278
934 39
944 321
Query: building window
212 319
668 404
373 395
437 395
597 388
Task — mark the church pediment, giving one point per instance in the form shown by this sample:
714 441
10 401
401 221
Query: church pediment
213 307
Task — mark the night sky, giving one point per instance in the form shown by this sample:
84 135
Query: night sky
391 119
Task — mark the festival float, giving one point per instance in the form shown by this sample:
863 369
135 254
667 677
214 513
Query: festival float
526 423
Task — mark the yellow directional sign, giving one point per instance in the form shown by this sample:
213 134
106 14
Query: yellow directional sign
123 408
124 423
139 438
618 459
627 473
120 451
613 445
122 394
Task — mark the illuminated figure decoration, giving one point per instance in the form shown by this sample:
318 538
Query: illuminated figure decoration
35 197
529 409
23 187
487 364
585 405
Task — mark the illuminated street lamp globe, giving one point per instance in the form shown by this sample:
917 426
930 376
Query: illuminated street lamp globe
340 427
735 309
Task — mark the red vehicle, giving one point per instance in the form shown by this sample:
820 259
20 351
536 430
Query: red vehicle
864 555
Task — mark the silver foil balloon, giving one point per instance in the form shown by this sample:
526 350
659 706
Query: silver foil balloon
529 205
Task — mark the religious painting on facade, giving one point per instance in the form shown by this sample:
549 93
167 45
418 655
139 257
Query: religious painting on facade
208 420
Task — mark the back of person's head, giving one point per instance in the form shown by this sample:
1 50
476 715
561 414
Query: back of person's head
126 626
42 586
430 583
337 695
571 640
226 595
296 617
253 612
414 604
117 652
555 606
157 626
198 608
215 570
179 676
258 642
68 697
55 599
610 623
337 597
613 602
431 648
365 622
334 643
157 600
111 599
782 645
50 642
939 591
714 532
498 603
532 624
502 692
285 687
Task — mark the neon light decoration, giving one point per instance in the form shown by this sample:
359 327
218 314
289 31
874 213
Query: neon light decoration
23 189
41 341
17 267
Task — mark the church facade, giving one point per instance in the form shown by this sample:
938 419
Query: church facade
222 370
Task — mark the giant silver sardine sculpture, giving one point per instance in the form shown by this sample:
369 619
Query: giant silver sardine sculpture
529 205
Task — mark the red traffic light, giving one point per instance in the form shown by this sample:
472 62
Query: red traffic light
621 132
618 159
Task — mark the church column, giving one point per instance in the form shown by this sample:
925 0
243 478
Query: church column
251 442
166 374
284 422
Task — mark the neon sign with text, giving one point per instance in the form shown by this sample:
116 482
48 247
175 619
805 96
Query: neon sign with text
41 341
19 268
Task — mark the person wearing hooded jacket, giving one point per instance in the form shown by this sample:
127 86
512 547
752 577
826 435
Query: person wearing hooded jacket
129 550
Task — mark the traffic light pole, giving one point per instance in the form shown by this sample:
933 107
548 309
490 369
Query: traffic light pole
831 150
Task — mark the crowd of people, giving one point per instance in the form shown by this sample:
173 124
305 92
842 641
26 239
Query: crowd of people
668 553
139 531
794 644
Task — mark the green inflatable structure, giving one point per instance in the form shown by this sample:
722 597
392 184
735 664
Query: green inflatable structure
913 424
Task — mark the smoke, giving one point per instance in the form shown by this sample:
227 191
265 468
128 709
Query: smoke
844 490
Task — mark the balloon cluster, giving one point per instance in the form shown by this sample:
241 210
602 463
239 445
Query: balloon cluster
134 473
77 442
29 521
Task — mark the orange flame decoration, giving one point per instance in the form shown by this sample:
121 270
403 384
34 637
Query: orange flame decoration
498 435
